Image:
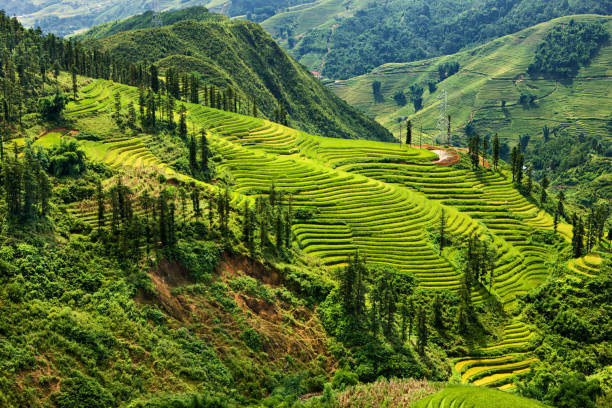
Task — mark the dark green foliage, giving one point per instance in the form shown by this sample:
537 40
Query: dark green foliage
573 160
51 107
574 391
258 10
517 161
448 69
474 150
400 98
66 160
432 87
26 188
416 95
344 378
574 318
376 88
78 391
372 310
569 325
181 401
252 339
567 48
577 237
409 133
200 258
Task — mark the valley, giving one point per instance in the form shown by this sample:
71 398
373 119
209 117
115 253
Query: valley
189 218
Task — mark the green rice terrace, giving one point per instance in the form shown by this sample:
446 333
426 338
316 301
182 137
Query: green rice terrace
376 198
468 397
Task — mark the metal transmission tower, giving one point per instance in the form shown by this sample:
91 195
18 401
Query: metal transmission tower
443 117
156 22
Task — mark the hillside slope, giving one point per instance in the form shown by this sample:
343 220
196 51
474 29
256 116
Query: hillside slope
376 198
343 39
146 20
241 55
380 199
486 92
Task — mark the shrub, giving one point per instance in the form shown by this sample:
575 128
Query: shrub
66 160
252 339
305 214
574 391
51 107
400 98
80 391
344 378
571 326
200 258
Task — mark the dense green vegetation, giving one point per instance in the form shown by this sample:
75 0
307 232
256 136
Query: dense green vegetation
162 244
241 56
566 49
259 10
574 315
578 162
374 33
561 125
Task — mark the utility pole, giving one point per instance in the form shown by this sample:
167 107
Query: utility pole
156 22
421 136
400 126
443 122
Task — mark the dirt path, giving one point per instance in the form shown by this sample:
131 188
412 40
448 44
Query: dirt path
63 131
447 157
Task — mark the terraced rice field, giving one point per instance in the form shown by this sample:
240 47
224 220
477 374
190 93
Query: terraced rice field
377 198
587 266
475 397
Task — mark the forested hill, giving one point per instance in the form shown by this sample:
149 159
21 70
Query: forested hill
345 39
242 56
146 20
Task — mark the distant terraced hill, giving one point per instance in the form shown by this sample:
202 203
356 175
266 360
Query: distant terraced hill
66 17
378 198
489 75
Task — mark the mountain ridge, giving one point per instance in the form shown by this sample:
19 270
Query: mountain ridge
240 54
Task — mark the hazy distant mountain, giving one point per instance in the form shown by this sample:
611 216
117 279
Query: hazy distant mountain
65 17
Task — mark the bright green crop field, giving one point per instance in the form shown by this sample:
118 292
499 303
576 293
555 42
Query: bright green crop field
472 397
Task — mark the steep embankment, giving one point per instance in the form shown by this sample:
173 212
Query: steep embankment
243 56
